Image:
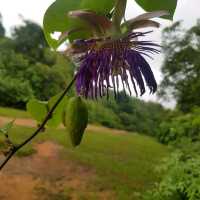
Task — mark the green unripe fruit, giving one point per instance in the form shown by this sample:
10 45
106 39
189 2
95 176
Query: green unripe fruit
76 119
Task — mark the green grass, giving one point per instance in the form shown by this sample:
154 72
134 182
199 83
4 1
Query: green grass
123 162
14 113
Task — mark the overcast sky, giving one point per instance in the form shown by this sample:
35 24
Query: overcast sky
187 10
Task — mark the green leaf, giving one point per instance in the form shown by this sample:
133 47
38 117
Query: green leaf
154 5
56 119
101 7
56 18
37 109
5 129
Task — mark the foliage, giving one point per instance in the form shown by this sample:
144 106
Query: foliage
39 109
14 89
99 113
24 36
136 115
2 29
181 129
6 44
181 178
46 81
14 92
13 112
57 17
152 5
21 81
181 68
6 128
126 113
24 74
177 127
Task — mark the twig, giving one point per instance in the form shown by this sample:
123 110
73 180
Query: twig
48 116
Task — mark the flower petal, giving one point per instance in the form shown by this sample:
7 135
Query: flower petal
147 73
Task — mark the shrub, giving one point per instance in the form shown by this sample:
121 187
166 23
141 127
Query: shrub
102 115
181 180
14 92
175 128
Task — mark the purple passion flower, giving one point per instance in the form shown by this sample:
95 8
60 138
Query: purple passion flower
105 63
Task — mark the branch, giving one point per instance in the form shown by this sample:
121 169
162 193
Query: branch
48 116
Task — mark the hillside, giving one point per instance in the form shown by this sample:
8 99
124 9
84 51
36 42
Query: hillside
109 164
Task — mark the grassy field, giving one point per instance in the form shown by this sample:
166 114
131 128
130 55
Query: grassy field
124 163
12 112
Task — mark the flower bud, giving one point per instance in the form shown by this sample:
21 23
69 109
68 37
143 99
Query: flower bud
76 119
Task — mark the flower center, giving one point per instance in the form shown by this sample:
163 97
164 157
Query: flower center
118 45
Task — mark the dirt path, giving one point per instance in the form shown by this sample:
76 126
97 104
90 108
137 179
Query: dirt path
19 122
47 176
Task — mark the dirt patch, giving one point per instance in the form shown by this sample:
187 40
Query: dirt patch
47 149
47 176
19 122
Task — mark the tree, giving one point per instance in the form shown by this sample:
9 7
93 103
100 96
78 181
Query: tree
30 68
2 29
136 115
181 68
29 40
45 81
20 80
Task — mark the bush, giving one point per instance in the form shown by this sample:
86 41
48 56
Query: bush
136 115
45 81
181 174
175 128
181 179
27 80
101 115
14 92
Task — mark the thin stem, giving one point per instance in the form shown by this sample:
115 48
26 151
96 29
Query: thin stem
48 116
119 12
